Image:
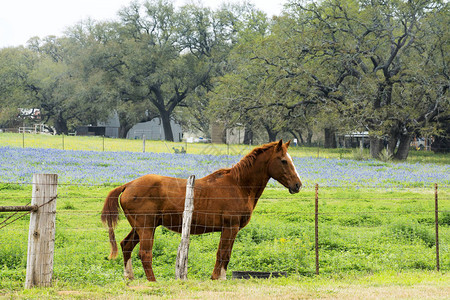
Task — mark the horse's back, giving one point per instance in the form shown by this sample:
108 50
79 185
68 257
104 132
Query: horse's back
152 193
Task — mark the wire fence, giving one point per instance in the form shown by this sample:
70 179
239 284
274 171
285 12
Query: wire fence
358 229
106 144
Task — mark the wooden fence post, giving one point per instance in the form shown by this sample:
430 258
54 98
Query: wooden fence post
181 266
143 143
316 227
41 236
436 223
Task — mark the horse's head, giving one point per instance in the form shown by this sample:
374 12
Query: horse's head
282 169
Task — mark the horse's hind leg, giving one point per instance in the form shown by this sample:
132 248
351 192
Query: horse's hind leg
128 244
146 237
224 252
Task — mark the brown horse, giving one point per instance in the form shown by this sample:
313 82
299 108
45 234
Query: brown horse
223 201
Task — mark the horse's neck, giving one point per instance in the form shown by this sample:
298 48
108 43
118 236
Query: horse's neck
255 179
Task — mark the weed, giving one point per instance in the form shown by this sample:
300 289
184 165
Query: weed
411 231
358 154
444 218
68 205
385 156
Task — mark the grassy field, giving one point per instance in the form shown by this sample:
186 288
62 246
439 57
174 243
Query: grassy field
384 285
95 143
375 242
372 243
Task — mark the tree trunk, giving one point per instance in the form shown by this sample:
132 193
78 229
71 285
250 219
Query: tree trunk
309 137
300 138
123 130
61 126
272 134
248 137
165 120
125 126
376 145
403 147
330 138
298 135
391 145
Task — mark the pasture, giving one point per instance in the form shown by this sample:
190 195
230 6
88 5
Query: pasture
96 143
376 229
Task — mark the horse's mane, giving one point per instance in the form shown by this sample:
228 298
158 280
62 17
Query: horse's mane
247 161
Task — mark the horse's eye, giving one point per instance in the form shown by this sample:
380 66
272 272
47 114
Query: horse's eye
284 162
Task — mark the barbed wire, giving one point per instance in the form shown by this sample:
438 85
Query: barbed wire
257 211
324 196
4 223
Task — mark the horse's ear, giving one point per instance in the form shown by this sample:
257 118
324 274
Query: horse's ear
279 146
288 143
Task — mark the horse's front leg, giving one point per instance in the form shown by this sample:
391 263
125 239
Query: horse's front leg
224 252
128 244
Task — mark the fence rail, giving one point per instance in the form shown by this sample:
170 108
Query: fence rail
18 208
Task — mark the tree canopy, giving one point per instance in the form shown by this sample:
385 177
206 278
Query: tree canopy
332 66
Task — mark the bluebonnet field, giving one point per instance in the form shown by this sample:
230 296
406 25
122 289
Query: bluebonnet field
92 168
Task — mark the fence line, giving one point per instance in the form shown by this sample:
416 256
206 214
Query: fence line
323 186
102 143
105 144
316 213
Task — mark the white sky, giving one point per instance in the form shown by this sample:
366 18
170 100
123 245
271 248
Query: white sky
22 19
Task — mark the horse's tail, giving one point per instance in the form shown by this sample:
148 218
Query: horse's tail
110 216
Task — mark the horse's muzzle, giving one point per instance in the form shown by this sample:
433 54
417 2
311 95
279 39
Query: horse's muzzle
295 188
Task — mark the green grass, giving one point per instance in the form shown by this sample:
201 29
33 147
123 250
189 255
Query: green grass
374 243
383 285
361 232
96 143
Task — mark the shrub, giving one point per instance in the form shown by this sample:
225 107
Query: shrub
444 218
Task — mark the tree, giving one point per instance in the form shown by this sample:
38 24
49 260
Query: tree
246 95
210 36
15 67
430 80
160 66
369 46
67 94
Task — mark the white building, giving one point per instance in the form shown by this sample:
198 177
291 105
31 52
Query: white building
153 130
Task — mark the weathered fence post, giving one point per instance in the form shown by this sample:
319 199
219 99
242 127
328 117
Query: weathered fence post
183 249
41 236
436 220
143 143
316 227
